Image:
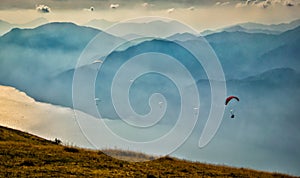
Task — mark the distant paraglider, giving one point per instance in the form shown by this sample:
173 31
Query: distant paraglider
228 99
97 61
97 100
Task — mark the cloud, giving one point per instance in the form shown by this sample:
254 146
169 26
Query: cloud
257 3
147 5
266 3
114 6
91 9
225 3
169 11
43 8
191 8
222 3
240 4
289 3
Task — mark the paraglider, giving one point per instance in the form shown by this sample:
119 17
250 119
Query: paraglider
228 99
97 100
97 61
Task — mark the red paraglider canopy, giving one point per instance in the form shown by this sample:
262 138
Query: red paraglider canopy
230 98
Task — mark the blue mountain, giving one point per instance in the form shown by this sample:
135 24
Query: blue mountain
251 27
241 28
63 36
41 61
182 37
99 23
31 57
282 27
6 27
243 54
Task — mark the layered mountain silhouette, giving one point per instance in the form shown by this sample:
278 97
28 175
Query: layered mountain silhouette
30 58
6 26
44 57
251 27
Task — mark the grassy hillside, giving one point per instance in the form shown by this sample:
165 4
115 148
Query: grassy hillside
22 154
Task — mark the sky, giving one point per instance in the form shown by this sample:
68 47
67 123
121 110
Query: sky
199 14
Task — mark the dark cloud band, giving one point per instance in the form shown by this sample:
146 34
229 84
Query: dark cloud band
102 4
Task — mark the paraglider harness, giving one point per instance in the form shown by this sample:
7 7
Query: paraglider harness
232 114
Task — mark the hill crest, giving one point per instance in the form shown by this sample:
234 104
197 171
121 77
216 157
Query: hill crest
24 154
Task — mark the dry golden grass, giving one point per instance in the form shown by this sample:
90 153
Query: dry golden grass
25 155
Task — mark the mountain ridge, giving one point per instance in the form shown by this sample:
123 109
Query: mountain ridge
5 26
252 27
